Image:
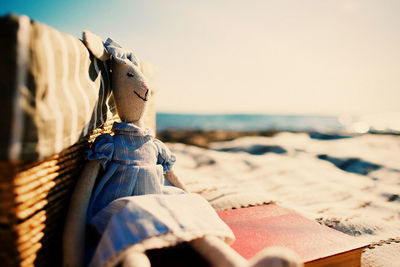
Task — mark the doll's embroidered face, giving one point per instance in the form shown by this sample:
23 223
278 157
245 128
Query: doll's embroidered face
131 92
142 90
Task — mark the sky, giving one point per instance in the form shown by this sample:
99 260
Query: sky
258 56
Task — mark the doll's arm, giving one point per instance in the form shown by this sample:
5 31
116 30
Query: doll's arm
174 180
74 231
167 159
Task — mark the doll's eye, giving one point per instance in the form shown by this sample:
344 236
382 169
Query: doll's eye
130 74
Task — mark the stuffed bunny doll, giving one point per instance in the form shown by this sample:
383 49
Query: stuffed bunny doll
128 196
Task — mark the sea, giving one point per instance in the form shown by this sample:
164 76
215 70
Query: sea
376 123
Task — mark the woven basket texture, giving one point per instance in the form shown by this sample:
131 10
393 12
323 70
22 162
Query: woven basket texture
34 202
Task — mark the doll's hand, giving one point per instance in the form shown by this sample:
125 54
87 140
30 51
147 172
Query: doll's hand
174 180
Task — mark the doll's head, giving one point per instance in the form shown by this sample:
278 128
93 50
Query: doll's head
131 92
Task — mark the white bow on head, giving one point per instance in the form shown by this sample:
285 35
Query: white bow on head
120 54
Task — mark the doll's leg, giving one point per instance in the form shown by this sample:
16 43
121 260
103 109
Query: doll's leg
135 258
217 252
276 257
220 254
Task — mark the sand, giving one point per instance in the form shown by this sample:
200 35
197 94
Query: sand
349 184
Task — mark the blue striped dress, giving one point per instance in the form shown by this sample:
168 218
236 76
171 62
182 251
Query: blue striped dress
132 203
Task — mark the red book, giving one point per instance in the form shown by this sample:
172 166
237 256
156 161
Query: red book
259 227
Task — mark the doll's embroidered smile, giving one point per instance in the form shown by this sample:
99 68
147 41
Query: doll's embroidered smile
146 87
145 96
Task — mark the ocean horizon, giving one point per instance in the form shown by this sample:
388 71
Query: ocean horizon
377 123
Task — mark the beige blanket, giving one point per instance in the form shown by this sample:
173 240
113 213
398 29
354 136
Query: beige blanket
349 184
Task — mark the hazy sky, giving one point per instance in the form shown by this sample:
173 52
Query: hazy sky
314 56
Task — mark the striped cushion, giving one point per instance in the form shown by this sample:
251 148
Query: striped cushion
54 91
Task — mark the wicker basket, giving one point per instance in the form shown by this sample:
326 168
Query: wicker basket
36 176
34 201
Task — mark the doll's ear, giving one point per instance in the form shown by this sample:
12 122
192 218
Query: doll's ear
95 45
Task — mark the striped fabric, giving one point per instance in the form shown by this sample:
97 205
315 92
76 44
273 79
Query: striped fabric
56 94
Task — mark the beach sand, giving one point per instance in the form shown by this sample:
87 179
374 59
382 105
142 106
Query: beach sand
351 184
